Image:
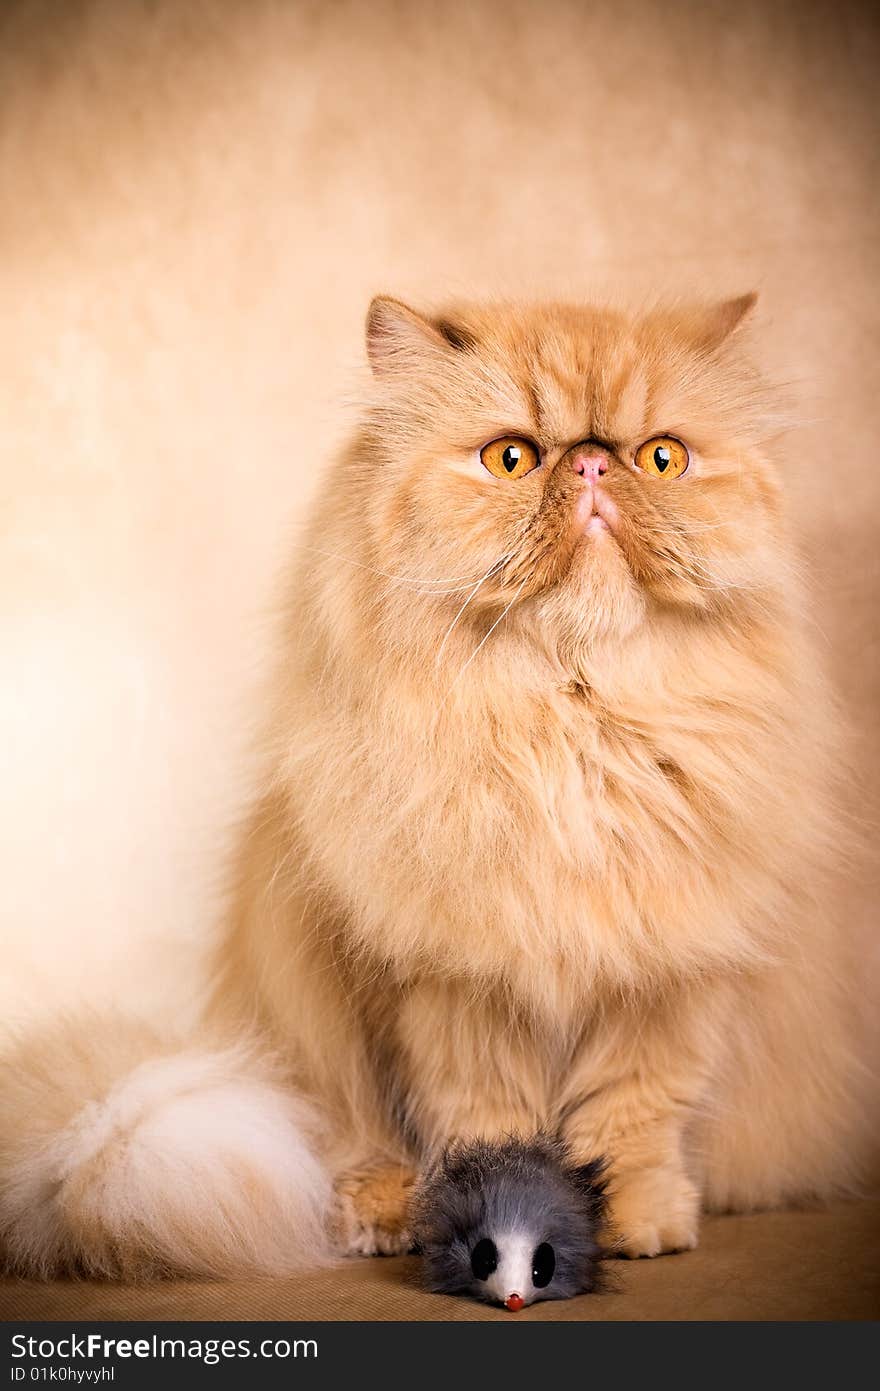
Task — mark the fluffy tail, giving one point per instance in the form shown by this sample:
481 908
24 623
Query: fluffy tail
120 1157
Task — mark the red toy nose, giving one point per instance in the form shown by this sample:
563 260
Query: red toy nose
514 1302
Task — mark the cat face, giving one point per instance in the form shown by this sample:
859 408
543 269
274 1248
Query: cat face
575 463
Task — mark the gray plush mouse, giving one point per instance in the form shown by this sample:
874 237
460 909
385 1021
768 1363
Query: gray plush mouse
510 1222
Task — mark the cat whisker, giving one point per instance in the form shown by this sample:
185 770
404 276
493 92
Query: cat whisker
689 529
484 640
424 584
493 569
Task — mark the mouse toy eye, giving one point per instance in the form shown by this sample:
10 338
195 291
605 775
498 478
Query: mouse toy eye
663 457
484 1259
510 457
543 1265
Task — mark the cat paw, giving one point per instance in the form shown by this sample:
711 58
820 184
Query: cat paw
372 1210
652 1213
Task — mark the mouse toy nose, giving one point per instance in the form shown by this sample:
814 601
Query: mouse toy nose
514 1302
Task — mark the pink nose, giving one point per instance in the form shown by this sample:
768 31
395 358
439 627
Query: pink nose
590 463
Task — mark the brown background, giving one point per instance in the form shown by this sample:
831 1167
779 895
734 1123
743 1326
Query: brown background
196 202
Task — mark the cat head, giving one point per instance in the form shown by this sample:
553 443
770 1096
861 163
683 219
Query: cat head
580 464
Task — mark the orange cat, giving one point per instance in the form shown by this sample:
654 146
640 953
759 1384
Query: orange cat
544 842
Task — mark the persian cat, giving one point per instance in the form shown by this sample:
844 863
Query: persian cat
542 846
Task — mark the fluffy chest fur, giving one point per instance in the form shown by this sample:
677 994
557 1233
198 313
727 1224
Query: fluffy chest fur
558 834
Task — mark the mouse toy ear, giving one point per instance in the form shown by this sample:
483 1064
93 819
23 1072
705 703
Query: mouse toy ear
591 1182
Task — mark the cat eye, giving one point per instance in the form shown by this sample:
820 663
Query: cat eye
510 457
543 1265
663 457
484 1259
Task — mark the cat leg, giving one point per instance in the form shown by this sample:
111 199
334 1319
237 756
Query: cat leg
467 1071
320 1006
790 1118
636 1083
372 1209
472 1068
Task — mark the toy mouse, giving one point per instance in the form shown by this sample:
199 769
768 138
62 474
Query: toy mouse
510 1222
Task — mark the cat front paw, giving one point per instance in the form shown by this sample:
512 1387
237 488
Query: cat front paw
653 1212
372 1210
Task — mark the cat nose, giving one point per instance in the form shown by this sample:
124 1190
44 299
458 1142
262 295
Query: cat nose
590 463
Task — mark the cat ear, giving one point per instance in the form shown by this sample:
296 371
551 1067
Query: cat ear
720 320
399 339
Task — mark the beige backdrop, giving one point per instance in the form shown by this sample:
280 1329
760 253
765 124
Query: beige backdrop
196 202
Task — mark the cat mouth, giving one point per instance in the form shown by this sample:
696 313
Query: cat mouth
595 512
560 535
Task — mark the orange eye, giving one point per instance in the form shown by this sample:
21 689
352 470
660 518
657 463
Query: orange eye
510 457
663 456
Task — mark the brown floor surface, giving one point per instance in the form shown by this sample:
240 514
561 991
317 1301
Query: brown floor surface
781 1265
